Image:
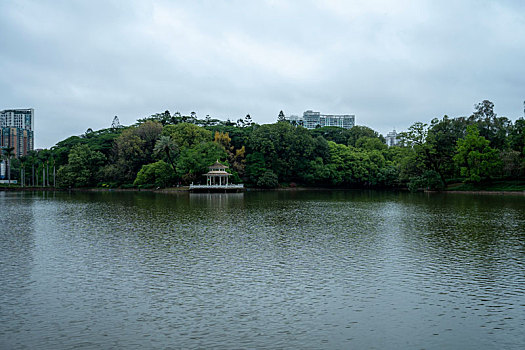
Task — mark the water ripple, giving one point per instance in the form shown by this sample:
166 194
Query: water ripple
261 270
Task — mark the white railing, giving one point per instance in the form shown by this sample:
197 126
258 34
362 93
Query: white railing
14 182
192 186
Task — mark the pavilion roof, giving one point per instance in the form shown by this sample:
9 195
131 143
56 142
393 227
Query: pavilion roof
218 165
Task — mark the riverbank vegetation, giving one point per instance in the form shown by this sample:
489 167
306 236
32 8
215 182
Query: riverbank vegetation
164 150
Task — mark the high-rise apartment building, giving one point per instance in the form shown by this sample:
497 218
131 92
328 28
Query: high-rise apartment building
16 130
312 120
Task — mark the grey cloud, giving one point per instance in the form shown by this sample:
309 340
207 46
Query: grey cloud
79 63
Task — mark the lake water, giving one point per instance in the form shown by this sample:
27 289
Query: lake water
298 270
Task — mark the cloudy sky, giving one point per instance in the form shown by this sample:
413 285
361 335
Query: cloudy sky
391 63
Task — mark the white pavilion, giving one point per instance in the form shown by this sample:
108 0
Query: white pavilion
217 180
217 176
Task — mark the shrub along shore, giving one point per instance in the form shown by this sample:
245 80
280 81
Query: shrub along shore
479 152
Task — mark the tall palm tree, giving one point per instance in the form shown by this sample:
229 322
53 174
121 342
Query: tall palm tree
166 145
8 154
42 157
23 161
54 172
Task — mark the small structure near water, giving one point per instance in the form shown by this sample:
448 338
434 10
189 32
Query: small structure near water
217 180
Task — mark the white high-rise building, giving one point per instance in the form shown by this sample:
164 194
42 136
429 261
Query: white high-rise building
313 120
17 118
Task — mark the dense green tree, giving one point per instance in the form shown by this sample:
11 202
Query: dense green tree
100 140
428 180
358 131
149 132
129 156
287 150
236 157
347 165
441 144
239 136
490 126
475 158
166 146
133 148
194 161
62 148
255 166
228 122
374 163
517 136
186 135
426 156
512 163
332 133
416 135
159 174
318 173
371 143
82 168
268 180
388 176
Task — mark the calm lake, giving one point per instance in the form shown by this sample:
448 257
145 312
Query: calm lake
299 270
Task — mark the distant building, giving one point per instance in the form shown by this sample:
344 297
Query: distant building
392 138
16 130
313 120
295 120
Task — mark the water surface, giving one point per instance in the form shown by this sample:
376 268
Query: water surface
272 270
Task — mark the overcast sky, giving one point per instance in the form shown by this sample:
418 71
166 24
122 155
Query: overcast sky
391 63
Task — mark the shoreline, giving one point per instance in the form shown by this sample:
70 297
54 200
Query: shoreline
501 193
289 189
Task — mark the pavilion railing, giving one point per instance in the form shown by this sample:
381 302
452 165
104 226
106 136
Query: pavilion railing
192 186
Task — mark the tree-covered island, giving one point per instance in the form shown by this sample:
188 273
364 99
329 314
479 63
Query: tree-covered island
481 151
